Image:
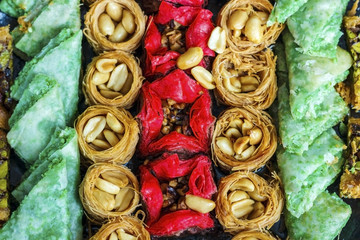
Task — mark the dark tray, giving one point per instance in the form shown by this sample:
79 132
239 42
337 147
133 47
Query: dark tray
350 232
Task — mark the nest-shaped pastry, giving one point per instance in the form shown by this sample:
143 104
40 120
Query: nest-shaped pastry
243 80
113 79
264 235
122 227
245 24
244 139
246 201
108 29
107 134
108 191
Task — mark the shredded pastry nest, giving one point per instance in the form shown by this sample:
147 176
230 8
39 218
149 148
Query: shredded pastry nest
264 235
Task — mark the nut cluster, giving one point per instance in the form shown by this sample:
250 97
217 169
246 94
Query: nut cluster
117 23
120 234
238 81
173 37
176 117
248 23
113 79
245 201
175 197
103 132
113 192
240 139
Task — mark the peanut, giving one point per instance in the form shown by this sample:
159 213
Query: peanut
247 125
106 25
105 65
123 199
247 153
256 196
106 200
118 77
241 144
128 21
199 204
258 210
225 145
203 76
113 236
122 235
127 86
106 186
190 58
118 179
110 94
253 30
243 184
217 40
93 128
232 133
119 34
101 144
114 10
242 207
114 123
100 78
111 137
237 196
255 135
237 20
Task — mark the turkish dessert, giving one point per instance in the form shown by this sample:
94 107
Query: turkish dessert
318 33
113 79
17 8
37 28
52 206
246 201
175 116
61 60
323 221
283 9
114 25
305 176
243 139
109 191
123 227
254 235
245 25
177 194
245 80
107 134
177 37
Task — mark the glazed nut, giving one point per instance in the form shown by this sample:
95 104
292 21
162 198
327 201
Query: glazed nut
225 145
127 86
106 186
100 78
235 82
114 10
229 86
118 179
258 210
110 94
237 195
111 137
253 30
232 133
243 184
118 77
217 40
241 144
242 207
105 65
247 153
101 144
263 16
128 21
113 236
203 76
237 20
106 25
255 135
190 58
249 83
123 199
114 123
119 34
236 123
93 128
106 200
256 196
199 204
246 126
124 236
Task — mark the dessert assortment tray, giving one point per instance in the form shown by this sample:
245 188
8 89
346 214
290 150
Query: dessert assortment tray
17 168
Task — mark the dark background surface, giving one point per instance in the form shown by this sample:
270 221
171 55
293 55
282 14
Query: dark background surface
350 232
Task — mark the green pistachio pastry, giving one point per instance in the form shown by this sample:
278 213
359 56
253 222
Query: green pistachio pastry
38 113
323 221
17 8
297 135
61 60
316 26
33 34
284 9
311 78
305 176
63 144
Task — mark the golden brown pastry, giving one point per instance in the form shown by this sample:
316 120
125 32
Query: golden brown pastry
243 80
113 79
245 25
246 201
243 139
114 25
254 235
107 134
108 191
